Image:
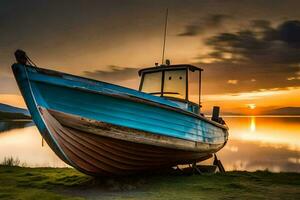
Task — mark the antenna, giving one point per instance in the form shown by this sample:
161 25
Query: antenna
165 35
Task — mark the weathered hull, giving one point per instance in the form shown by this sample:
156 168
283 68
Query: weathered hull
102 129
99 155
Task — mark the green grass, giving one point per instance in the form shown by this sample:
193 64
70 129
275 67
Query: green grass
10 162
66 183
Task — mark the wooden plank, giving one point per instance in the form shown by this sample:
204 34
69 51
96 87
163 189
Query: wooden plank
132 135
89 155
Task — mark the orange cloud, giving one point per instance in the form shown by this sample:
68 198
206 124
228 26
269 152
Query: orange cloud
234 82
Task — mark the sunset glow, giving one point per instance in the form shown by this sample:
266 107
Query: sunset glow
112 50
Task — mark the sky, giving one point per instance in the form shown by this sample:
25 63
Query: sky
249 50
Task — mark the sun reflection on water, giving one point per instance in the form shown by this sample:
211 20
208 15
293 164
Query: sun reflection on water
259 143
274 131
252 124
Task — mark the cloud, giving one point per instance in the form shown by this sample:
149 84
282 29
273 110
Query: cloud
211 22
292 78
269 45
217 20
234 82
268 54
289 32
258 94
115 74
191 30
260 23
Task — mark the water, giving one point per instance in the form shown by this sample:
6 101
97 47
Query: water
24 142
255 143
259 143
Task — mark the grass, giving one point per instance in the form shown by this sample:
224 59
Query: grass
67 183
10 161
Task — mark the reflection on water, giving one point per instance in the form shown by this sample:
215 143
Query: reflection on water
273 130
26 145
255 143
259 143
251 156
252 124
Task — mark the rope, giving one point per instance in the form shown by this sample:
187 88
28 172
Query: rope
30 61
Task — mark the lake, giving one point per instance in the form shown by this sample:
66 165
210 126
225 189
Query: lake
255 143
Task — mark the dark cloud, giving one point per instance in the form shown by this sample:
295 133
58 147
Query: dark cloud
217 19
264 24
191 30
206 24
270 45
115 74
269 55
289 32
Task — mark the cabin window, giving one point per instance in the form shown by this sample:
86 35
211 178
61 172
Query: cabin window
152 83
181 83
175 84
194 87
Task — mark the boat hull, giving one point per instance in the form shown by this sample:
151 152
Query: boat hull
102 129
96 154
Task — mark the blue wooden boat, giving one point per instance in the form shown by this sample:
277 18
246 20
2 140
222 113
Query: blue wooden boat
105 129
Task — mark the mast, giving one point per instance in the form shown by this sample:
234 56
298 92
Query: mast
165 37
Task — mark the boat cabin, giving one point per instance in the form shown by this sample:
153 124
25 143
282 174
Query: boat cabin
178 83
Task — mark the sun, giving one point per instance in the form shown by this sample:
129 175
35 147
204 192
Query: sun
251 106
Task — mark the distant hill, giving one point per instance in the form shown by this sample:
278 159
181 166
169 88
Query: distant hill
12 109
278 111
7 125
10 112
283 111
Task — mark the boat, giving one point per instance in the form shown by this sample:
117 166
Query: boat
103 129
